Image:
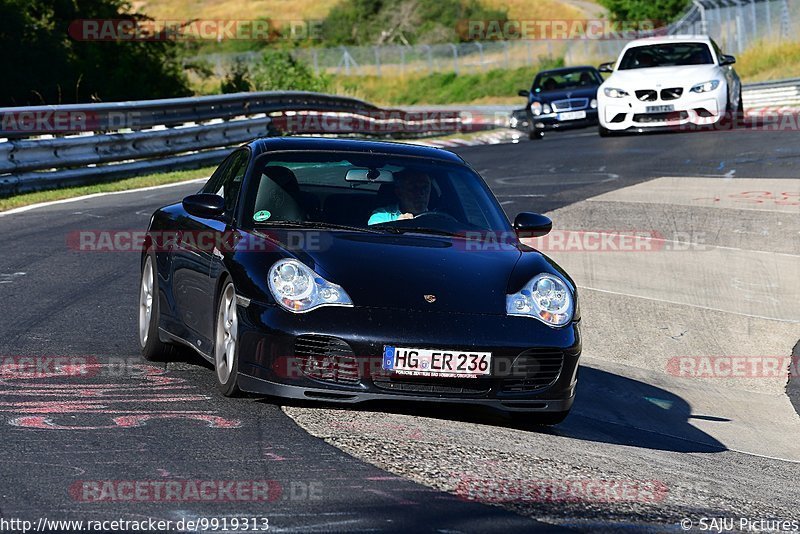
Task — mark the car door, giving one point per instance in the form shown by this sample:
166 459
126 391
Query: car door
198 243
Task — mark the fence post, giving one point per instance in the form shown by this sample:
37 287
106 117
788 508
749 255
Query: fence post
377 52
430 59
754 15
770 29
402 60
786 20
480 52
315 58
455 58
506 55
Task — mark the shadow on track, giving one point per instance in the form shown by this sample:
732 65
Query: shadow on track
609 409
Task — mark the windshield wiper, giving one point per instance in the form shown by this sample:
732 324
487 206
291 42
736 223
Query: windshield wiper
318 225
432 231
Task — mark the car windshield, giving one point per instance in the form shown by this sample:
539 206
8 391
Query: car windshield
370 192
666 55
563 80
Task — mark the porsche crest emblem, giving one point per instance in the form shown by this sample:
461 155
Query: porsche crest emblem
430 299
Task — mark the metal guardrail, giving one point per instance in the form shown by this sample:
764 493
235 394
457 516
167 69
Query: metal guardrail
58 146
111 141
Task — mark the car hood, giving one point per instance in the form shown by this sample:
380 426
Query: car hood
398 271
588 92
663 76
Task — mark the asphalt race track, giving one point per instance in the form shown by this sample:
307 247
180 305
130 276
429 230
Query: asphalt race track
716 275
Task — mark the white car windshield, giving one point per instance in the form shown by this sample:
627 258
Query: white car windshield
666 55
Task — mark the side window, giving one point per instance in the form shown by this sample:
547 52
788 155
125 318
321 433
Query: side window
227 181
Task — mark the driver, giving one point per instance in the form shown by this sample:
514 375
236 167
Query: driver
413 192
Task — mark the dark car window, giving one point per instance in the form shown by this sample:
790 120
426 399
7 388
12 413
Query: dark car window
666 55
563 80
308 188
227 179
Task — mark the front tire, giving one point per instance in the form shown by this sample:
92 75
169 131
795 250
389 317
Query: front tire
535 134
153 349
603 131
226 342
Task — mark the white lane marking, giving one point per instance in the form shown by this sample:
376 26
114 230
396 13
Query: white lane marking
7 278
23 209
653 299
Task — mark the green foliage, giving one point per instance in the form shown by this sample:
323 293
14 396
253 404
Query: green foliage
373 22
446 88
661 11
279 71
42 64
237 80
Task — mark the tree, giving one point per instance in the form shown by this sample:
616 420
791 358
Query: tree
43 64
279 71
662 12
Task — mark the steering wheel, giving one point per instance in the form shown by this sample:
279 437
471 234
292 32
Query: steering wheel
436 214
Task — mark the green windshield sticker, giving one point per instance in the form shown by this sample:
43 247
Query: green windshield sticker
262 216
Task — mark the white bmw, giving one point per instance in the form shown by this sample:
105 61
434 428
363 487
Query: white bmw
674 81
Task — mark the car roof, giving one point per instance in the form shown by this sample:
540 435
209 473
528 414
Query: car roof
566 69
670 39
272 144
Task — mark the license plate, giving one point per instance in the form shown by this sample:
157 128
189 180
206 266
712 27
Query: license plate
571 115
436 362
661 109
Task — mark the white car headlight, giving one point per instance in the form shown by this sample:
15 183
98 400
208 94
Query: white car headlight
298 289
705 87
536 108
546 298
593 103
612 92
546 109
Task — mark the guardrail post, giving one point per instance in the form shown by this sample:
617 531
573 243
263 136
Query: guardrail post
480 53
786 20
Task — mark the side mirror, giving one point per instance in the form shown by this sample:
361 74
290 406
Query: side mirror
523 92
528 224
204 205
606 67
726 60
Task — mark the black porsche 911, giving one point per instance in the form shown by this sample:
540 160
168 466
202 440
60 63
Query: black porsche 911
561 99
348 271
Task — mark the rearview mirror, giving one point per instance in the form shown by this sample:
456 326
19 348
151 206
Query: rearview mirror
606 67
204 205
528 224
523 92
726 60
369 176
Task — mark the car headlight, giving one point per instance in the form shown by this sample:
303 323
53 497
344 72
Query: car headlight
593 103
536 108
705 87
546 109
546 298
611 92
298 289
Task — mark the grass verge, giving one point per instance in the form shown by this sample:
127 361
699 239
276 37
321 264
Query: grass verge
26 199
769 61
493 86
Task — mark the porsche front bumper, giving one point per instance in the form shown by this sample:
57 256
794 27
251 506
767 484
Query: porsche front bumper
534 366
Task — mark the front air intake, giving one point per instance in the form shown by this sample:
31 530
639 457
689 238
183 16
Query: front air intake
328 359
